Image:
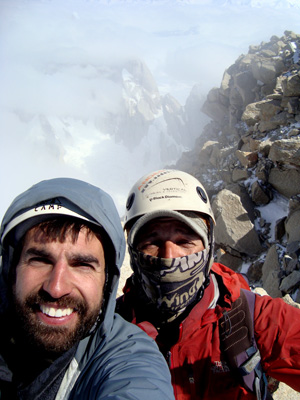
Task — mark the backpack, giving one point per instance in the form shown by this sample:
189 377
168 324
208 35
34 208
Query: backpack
239 346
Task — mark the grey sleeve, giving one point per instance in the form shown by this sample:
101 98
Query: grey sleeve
129 366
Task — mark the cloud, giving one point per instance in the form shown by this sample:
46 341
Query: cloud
56 82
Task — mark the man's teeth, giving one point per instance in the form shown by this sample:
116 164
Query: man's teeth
56 312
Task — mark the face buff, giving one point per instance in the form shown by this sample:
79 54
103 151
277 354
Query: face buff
171 284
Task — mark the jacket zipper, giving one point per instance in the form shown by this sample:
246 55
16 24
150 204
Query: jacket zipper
169 362
168 359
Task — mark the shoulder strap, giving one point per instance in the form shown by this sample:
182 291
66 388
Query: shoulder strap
239 346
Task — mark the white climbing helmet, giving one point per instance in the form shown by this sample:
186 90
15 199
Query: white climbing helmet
167 189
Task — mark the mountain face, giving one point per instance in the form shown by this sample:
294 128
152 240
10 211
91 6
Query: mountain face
248 158
145 113
123 106
112 125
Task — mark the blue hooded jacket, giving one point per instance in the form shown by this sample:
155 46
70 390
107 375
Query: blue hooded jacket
117 360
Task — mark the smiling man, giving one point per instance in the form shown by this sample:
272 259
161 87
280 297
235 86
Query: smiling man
62 245
59 286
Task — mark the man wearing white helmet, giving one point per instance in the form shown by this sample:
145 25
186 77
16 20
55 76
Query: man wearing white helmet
62 246
180 297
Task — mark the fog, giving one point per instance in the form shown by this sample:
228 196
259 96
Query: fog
52 96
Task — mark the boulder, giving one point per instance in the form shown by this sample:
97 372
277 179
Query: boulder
206 151
286 151
263 111
229 260
251 115
294 203
289 283
239 174
215 109
262 169
270 272
292 227
244 82
260 195
285 180
291 85
287 299
268 109
234 230
274 122
245 198
254 272
279 228
292 105
265 70
247 159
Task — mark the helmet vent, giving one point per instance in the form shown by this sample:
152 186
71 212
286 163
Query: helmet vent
130 201
201 194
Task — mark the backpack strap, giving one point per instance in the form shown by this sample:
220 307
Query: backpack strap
239 346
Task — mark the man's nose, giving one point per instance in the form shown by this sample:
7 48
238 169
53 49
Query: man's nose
58 282
169 250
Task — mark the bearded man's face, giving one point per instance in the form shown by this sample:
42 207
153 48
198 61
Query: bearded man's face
58 291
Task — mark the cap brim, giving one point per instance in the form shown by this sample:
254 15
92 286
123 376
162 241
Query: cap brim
171 214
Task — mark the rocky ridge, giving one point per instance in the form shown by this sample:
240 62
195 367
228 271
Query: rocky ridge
248 158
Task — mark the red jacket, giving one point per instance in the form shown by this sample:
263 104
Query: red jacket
197 367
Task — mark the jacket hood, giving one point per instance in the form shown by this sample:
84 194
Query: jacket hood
64 196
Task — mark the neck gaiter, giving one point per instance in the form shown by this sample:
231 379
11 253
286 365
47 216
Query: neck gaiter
170 284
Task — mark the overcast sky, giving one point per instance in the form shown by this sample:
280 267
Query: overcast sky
44 43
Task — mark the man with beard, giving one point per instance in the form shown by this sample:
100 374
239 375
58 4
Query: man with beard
62 246
180 297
